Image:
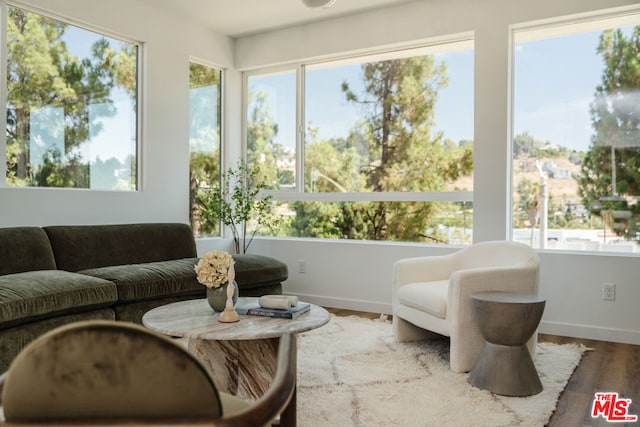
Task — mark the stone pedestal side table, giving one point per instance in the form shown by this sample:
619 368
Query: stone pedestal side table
240 356
507 321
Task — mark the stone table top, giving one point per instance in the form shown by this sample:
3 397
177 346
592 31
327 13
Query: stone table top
196 319
507 298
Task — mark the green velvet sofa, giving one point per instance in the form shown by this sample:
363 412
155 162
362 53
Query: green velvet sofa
50 276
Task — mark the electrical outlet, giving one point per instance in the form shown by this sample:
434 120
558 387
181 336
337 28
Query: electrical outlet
302 267
609 291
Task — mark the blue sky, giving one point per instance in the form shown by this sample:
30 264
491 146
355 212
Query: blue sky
117 137
454 111
554 84
328 110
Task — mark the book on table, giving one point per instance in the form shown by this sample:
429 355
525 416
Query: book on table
254 309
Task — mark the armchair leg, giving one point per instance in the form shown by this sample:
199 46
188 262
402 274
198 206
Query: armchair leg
404 331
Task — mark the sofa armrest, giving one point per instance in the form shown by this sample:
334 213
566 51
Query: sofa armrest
464 283
423 269
466 339
25 249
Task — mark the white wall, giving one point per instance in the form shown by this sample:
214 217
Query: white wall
169 43
339 273
358 275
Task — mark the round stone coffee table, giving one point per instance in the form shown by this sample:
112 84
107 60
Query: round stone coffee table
507 321
241 356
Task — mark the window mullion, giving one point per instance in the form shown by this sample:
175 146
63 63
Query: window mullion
3 95
300 134
389 196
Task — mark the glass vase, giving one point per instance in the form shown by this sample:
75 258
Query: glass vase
217 297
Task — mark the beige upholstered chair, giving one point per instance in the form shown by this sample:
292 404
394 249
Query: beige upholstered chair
109 372
433 294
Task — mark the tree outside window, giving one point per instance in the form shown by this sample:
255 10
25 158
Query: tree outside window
71 106
205 111
374 140
577 136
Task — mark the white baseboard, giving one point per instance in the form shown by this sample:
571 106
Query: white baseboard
546 327
590 332
347 304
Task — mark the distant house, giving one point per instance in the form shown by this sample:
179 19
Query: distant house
560 173
548 165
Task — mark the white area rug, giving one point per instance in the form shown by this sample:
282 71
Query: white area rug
352 373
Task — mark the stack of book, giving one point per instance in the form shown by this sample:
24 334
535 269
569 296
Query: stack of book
255 308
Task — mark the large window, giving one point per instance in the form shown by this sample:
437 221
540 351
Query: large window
376 148
271 127
71 105
576 142
205 112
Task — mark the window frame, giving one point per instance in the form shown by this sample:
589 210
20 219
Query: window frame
547 29
459 42
140 93
221 118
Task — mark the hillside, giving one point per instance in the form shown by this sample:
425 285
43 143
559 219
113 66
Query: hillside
560 189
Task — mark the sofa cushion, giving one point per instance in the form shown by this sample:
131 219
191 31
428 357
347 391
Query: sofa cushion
430 297
40 294
135 310
82 247
254 271
138 282
25 249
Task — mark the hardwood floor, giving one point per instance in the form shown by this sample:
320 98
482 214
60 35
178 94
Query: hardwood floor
609 367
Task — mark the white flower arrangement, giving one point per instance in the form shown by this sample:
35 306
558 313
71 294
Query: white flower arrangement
213 268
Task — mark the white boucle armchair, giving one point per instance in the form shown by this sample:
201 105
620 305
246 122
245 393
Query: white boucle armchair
432 294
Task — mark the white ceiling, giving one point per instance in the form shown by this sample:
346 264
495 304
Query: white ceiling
242 17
